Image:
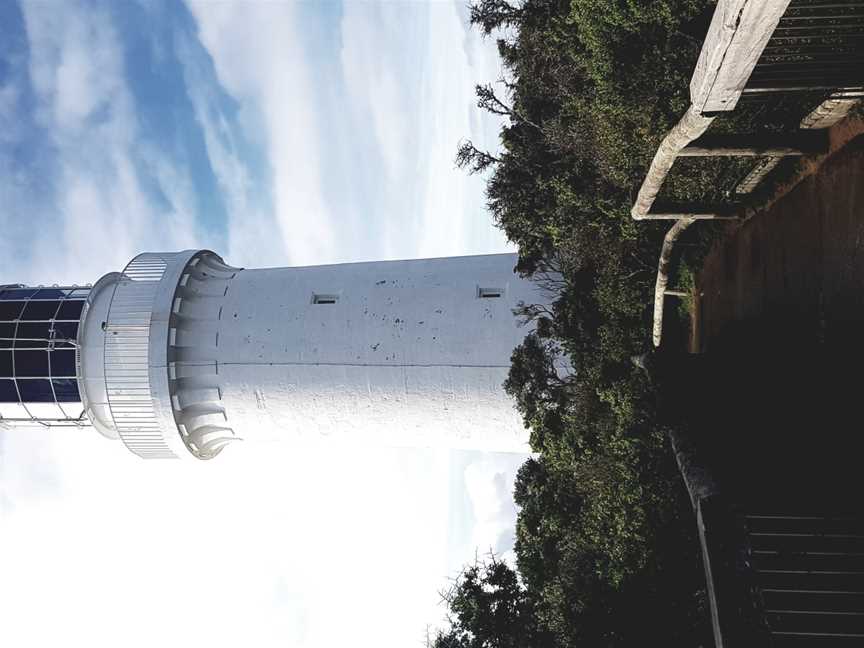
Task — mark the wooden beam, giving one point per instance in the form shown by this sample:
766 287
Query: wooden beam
795 86
691 126
739 31
690 215
741 151
667 210
761 169
825 115
829 112
762 145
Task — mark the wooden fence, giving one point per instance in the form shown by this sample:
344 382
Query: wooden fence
754 47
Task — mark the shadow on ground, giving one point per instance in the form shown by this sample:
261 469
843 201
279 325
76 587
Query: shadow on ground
779 427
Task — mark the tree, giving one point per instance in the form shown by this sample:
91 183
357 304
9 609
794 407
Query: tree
489 608
605 547
472 159
489 15
489 101
533 381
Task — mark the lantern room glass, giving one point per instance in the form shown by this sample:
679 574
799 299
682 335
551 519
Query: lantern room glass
38 355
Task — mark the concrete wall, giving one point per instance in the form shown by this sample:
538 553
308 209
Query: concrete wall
408 355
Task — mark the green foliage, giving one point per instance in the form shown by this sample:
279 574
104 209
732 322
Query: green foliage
685 282
605 540
605 537
491 609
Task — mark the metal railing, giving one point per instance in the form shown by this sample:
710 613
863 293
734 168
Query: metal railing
35 334
809 569
127 356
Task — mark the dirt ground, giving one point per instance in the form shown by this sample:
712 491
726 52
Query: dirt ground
792 276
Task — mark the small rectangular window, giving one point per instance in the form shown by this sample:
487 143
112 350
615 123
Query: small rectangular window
7 335
324 299
40 310
10 310
63 364
8 393
32 335
70 309
490 293
66 390
36 391
31 364
6 364
65 330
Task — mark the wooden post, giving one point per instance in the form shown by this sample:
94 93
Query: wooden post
692 125
676 215
739 31
765 145
663 274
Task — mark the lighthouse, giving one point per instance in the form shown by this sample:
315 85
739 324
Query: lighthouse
181 354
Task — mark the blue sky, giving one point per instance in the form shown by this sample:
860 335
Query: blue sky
275 134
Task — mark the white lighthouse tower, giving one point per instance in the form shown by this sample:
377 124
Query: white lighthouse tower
180 354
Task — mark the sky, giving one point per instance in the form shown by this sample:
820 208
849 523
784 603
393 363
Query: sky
274 134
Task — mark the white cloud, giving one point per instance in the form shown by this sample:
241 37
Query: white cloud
86 200
262 548
489 483
251 226
374 44
360 153
410 73
74 66
256 53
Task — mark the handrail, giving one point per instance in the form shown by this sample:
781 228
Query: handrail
692 125
739 31
663 275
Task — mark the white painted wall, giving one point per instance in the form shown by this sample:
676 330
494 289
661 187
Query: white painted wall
409 354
